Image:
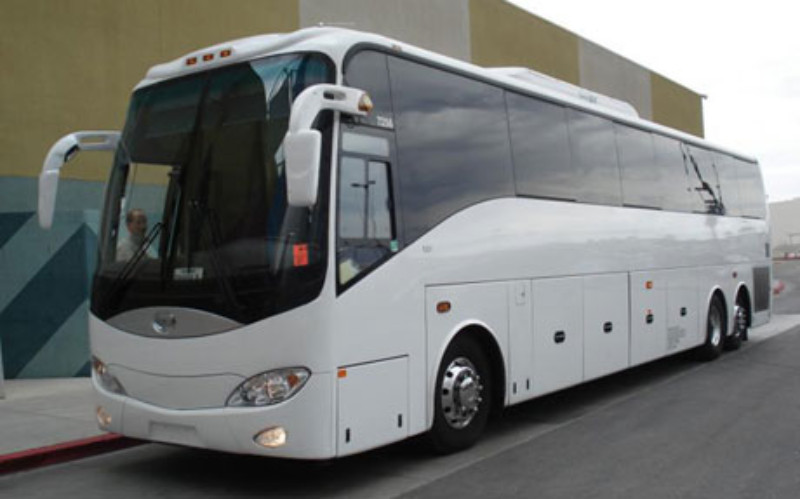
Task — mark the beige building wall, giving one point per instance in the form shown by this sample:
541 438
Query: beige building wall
504 35
676 106
438 25
71 64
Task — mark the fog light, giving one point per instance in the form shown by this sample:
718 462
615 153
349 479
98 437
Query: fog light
103 418
271 437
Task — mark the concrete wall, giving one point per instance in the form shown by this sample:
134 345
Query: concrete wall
438 25
610 74
785 218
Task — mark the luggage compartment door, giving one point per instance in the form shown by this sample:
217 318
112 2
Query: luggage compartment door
372 405
605 324
557 333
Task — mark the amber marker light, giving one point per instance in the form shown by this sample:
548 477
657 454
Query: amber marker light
649 285
103 417
226 53
208 57
342 373
191 61
443 307
365 103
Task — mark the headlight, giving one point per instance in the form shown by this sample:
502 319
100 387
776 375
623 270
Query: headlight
106 379
270 387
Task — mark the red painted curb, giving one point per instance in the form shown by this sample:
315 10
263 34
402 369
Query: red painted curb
60 453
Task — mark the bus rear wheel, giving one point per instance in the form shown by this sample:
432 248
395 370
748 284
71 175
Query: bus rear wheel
715 330
463 397
740 320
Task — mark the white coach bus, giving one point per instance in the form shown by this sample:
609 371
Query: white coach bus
318 243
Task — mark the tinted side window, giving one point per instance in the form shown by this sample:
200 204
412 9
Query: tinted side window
703 180
641 176
751 190
674 181
540 145
728 184
366 230
452 141
368 71
594 158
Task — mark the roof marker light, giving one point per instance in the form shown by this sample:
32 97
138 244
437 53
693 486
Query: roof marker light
191 61
208 57
226 53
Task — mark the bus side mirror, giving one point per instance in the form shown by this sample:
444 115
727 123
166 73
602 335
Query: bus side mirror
303 145
66 148
303 151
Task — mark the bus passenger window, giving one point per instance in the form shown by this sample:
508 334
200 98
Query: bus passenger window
366 234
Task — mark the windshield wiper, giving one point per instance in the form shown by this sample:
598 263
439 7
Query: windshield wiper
127 271
220 268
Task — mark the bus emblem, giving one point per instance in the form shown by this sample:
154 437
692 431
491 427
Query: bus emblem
164 322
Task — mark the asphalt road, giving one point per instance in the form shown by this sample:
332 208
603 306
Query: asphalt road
672 428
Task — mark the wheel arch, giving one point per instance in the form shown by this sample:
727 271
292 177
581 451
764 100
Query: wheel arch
488 341
717 291
743 291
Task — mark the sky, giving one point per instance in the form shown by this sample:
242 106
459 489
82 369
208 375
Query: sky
744 56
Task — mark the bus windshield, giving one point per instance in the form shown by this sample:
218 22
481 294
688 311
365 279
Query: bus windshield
195 212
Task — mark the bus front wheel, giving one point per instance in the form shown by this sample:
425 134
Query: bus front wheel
463 397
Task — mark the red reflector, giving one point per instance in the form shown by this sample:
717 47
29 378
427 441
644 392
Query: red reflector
191 61
208 57
225 53
300 255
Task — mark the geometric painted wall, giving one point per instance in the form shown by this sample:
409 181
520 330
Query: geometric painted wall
45 278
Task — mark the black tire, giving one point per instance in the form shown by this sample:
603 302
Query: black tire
739 331
462 398
715 330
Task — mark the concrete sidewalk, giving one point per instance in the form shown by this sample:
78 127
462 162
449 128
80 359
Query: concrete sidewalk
41 412
44 417
48 421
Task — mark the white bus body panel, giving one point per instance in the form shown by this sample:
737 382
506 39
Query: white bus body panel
557 334
305 417
684 328
605 325
520 339
484 305
372 405
161 374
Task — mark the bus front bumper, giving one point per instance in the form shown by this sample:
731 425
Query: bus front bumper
306 420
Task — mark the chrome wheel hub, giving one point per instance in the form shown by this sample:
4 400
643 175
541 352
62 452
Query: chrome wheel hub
460 393
740 320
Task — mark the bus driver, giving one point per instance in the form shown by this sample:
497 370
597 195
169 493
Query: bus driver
136 221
